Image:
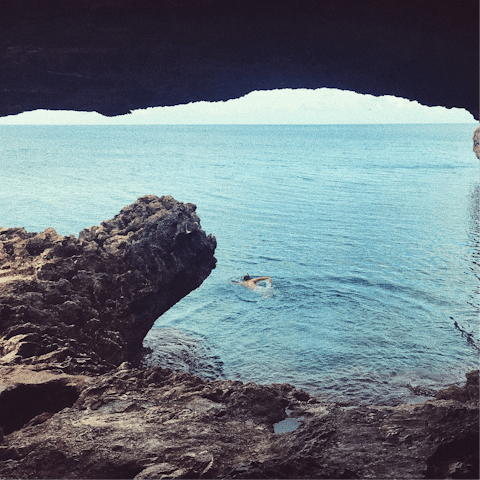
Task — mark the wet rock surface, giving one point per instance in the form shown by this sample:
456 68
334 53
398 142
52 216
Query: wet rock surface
85 305
172 348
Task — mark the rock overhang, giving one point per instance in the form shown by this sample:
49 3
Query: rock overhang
85 305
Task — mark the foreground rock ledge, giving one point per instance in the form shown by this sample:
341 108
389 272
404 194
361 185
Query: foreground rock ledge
84 305
154 423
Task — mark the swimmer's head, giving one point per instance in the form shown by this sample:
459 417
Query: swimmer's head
247 277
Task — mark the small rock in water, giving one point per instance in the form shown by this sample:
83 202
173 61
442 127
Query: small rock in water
172 348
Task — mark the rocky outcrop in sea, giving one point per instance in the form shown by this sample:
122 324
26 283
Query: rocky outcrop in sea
80 397
84 305
476 142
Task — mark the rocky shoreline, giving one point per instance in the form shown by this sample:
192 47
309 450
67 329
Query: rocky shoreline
76 401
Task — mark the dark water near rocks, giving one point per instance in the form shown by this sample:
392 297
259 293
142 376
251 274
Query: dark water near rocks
370 234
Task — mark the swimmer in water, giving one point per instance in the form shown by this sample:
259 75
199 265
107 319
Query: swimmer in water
252 282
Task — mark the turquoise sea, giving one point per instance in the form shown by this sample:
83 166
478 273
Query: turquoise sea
370 233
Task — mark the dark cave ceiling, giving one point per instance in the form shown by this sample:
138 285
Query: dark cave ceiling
113 56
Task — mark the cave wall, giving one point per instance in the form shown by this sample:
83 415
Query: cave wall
113 56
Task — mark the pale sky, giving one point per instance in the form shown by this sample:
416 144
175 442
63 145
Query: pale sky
287 106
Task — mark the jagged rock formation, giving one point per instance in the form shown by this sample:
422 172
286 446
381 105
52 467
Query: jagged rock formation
85 305
115 56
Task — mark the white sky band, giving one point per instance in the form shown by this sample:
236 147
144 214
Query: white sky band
287 106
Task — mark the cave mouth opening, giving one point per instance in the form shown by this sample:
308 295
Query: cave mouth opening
24 402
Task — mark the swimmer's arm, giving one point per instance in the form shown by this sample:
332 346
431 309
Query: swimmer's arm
259 279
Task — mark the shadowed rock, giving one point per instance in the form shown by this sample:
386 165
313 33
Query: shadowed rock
85 305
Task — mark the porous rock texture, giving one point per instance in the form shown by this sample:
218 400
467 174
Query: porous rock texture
113 56
85 304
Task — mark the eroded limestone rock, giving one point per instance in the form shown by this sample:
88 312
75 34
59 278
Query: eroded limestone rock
85 305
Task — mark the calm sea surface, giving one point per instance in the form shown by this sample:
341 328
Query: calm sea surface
370 233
